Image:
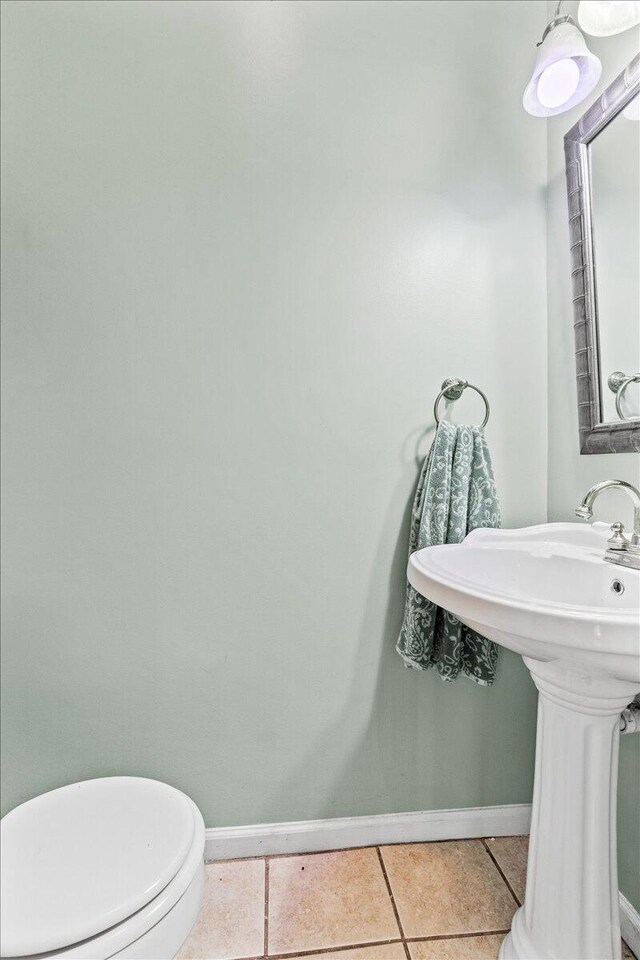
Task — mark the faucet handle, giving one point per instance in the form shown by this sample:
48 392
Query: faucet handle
618 541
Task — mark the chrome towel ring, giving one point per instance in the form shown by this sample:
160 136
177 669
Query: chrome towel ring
618 383
452 389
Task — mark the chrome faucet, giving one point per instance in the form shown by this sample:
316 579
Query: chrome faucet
620 549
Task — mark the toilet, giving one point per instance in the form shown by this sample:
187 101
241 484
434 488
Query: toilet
103 868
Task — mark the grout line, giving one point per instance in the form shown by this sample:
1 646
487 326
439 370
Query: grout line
362 846
341 949
383 943
457 936
500 871
393 902
265 946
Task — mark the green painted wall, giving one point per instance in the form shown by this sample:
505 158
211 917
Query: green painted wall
244 244
570 474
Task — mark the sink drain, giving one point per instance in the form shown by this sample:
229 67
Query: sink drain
617 587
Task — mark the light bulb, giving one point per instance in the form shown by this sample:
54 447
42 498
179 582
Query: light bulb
558 83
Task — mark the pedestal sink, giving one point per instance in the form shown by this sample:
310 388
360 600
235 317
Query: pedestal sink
547 593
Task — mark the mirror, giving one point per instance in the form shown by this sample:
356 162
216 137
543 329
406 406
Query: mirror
603 182
615 201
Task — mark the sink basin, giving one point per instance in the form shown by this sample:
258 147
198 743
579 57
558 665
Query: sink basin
547 593
542 591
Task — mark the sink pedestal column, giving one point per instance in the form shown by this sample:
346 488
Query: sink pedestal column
571 905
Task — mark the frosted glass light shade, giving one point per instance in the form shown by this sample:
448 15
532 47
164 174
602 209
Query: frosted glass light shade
604 18
551 92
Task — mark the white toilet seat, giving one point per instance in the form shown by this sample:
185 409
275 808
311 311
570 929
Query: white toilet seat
164 917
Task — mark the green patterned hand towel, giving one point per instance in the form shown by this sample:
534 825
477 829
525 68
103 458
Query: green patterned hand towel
456 494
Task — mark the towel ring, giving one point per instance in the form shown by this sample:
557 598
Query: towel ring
618 383
452 389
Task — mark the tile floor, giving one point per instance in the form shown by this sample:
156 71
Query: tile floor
450 900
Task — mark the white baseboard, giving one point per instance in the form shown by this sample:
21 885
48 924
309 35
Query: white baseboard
630 925
311 836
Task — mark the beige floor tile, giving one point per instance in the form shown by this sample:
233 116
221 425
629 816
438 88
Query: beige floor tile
511 854
386 951
464 948
446 888
458 948
231 920
324 900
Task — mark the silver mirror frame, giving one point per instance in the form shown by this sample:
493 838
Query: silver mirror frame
595 436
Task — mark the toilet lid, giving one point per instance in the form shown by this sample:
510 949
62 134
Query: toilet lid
82 858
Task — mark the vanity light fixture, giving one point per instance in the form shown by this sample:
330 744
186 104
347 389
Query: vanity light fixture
604 18
565 70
